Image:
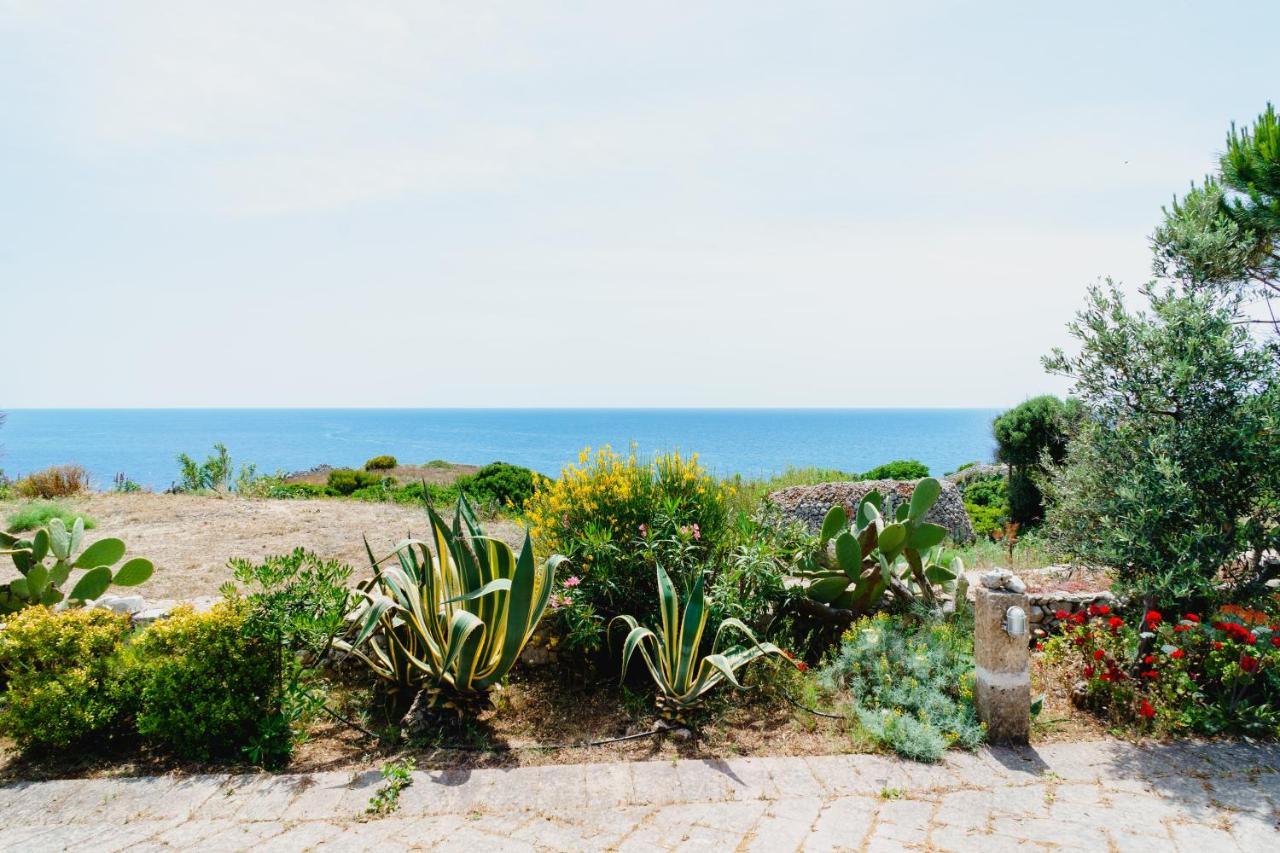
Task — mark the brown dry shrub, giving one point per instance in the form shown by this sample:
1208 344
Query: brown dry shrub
57 481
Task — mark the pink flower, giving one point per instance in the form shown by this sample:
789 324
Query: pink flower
571 582
644 530
697 532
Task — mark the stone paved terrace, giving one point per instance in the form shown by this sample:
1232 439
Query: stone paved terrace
1078 796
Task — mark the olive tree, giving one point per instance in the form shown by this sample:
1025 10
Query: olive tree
1165 479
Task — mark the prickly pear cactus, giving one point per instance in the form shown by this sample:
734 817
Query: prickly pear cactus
872 556
47 560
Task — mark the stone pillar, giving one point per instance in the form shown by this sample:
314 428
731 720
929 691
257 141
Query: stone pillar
1002 689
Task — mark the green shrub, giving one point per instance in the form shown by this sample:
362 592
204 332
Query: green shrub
1024 436
299 490
752 491
1208 676
344 481
37 514
910 682
380 463
63 675
58 481
203 682
899 469
614 517
499 485
987 503
297 605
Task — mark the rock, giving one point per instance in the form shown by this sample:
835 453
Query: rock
976 472
810 504
1003 579
130 604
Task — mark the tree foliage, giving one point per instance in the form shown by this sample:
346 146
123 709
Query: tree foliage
1226 233
1164 474
1025 435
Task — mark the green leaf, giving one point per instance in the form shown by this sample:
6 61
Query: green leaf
925 536
924 496
134 572
18 586
829 589
104 552
849 555
37 580
1037 705
91 585
77 535
59 539
835 522
892 538
40 545
938 574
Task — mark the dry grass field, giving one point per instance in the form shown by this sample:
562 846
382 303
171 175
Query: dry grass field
190 538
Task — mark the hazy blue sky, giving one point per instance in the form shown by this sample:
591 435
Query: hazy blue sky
429 204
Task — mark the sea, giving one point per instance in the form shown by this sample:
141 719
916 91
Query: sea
143 444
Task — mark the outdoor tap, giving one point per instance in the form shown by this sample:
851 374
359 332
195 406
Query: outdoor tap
1015 622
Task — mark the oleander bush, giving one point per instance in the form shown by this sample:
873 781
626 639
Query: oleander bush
203 682
58 481
1177 674
380 463
615 518
64 678
910 683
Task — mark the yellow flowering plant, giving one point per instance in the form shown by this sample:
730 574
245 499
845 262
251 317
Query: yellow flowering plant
615 518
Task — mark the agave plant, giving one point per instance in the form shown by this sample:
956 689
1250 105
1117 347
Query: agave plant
682 674
452 626
873 556
42 581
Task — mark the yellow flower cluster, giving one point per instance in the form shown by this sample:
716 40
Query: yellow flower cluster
617 493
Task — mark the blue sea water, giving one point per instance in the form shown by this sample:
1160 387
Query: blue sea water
143 443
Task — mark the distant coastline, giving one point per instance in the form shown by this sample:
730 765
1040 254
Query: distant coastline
143 443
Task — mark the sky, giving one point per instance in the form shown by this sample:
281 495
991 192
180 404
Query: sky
848 204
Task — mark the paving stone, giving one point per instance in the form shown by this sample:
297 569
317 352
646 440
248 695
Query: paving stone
784 825
844 824
1196 796
1201 838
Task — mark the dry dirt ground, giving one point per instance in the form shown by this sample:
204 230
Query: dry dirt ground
190 538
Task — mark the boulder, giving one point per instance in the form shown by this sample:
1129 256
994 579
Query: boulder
811 503
978 471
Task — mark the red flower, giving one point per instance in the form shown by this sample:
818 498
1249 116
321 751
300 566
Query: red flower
1217 644
802 666
1153 618
1077 618
1248 664
1039 647
1115 622
1151 673
1191 617
1099 654
1088 672
1149 659
1060 614
1099 610
1177 654
1275 641
1181 628
1145 710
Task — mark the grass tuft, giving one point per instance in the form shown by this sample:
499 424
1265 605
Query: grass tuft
37 514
